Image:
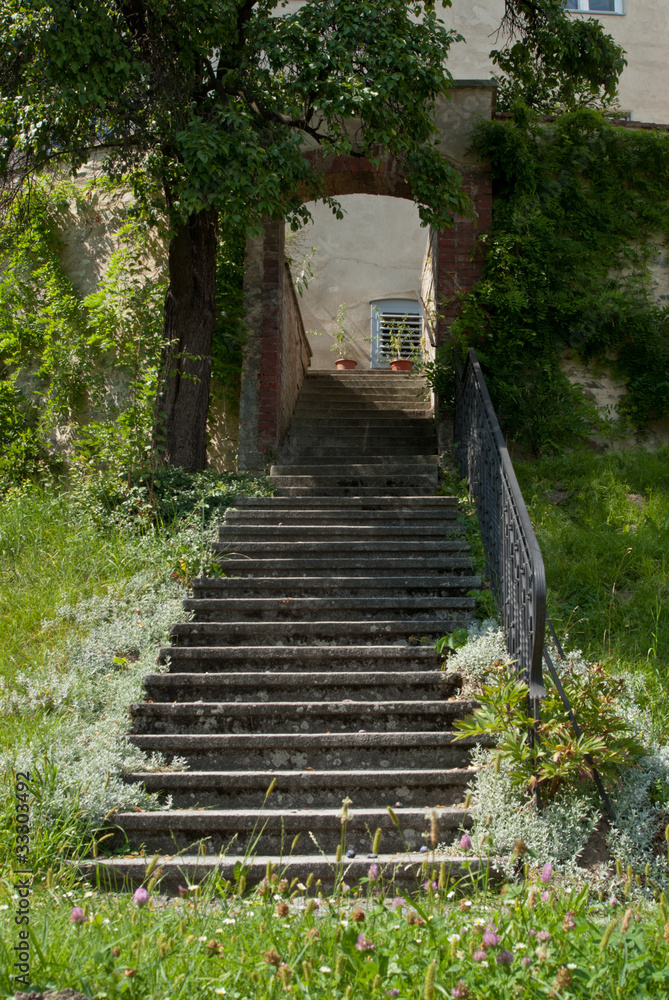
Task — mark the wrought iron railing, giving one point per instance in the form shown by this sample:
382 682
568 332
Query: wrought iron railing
513 559
514 562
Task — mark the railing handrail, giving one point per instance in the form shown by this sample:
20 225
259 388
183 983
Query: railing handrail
525 639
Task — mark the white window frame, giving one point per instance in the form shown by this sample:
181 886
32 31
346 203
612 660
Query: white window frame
584 8
397 308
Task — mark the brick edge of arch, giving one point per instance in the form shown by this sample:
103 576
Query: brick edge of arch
359 175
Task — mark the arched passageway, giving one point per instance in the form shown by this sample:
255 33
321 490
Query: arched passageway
278 351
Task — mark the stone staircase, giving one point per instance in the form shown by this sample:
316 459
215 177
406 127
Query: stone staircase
307 663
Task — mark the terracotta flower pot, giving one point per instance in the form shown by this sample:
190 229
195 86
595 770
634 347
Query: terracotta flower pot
401 365
345 364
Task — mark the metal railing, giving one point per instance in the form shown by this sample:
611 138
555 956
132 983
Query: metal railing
514 563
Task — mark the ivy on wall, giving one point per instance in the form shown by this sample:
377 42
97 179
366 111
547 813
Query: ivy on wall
79 376
581 206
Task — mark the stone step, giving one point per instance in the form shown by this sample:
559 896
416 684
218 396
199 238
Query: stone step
233 532
389 468
335 548
352 564
308 789
407 868
320 451
353 491
346 716
389 393
436 585
306 513
254 686
298 751
323 458
408 506
374 421
334 633
247 831
334 609
325 482
308 659
362 413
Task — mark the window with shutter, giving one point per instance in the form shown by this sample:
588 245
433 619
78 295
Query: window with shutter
596 6
397 330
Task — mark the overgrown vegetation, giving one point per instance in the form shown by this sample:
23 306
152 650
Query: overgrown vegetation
91 581
79 376
580 211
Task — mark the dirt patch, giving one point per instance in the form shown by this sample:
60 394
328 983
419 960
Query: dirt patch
596 851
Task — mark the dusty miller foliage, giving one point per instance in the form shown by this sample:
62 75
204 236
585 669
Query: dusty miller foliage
559 833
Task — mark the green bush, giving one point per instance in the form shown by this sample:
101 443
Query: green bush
580 207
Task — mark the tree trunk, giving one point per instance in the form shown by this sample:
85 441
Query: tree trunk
190 313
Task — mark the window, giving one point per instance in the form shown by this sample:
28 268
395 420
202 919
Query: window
397 330
596 6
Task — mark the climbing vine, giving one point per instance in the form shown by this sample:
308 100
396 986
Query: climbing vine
581 213
79 375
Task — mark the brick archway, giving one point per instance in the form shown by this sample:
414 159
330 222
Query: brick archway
277 352
358 175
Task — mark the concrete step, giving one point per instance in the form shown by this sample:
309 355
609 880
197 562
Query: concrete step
334 633
269 751
308 513
377 685
346 457
308 659
335 609
408 506
368 481
361 413
272 830
388 468
388 397
352 565
345 716
328 547
373 421
231 533
408 869
320 451
427 586
308 789
353 491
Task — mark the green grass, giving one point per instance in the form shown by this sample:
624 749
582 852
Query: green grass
273 942
602 521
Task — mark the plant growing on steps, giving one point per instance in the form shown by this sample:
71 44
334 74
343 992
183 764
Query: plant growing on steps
558 758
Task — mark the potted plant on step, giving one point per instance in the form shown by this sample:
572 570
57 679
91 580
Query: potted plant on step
401 346
341 338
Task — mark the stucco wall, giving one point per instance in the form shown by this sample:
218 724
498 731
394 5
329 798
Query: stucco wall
643 31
